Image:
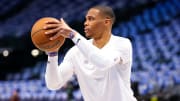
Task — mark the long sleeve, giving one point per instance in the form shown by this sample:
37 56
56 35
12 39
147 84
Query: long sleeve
103 60
56 76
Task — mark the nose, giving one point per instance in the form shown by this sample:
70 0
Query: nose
85 23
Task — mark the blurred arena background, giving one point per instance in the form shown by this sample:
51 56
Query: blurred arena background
152 25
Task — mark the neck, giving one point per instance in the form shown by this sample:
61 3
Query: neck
102 41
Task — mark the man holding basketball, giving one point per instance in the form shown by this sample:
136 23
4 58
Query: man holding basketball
102 64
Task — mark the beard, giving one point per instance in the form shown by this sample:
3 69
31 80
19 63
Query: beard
88 34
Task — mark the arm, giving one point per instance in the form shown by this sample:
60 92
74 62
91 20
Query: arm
104 60
56 76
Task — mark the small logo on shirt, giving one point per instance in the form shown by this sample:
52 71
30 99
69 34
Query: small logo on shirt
86 62
116 59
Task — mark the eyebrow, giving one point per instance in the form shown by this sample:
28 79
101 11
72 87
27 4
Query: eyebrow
89 16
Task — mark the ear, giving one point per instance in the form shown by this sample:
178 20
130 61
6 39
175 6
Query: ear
107 20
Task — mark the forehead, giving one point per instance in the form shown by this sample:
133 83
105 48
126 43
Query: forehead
93 12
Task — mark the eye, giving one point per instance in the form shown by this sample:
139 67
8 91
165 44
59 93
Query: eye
90 18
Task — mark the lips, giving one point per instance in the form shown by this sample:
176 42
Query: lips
86 30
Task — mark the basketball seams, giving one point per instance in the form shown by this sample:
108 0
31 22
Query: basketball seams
55 44
36 32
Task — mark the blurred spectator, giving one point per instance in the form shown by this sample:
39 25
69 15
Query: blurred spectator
15 96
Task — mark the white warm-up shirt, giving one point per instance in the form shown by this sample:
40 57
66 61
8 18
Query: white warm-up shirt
103 74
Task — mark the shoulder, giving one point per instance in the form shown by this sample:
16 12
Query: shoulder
121 40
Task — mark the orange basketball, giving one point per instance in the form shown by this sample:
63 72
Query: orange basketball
40 40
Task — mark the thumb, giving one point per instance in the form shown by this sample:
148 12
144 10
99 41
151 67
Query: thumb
62 20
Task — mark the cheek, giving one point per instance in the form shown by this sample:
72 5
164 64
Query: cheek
97 27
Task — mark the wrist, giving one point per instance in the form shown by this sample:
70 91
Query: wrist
72 34
76 39
52 54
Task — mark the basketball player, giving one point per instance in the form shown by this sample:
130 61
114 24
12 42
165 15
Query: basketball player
102 64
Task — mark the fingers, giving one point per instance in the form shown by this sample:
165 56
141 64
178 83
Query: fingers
55 36
52 22
62 32
50 26
55 30
62 20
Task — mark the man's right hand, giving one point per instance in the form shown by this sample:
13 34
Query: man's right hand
61 28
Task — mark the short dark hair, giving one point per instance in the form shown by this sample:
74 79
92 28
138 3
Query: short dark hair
107 11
